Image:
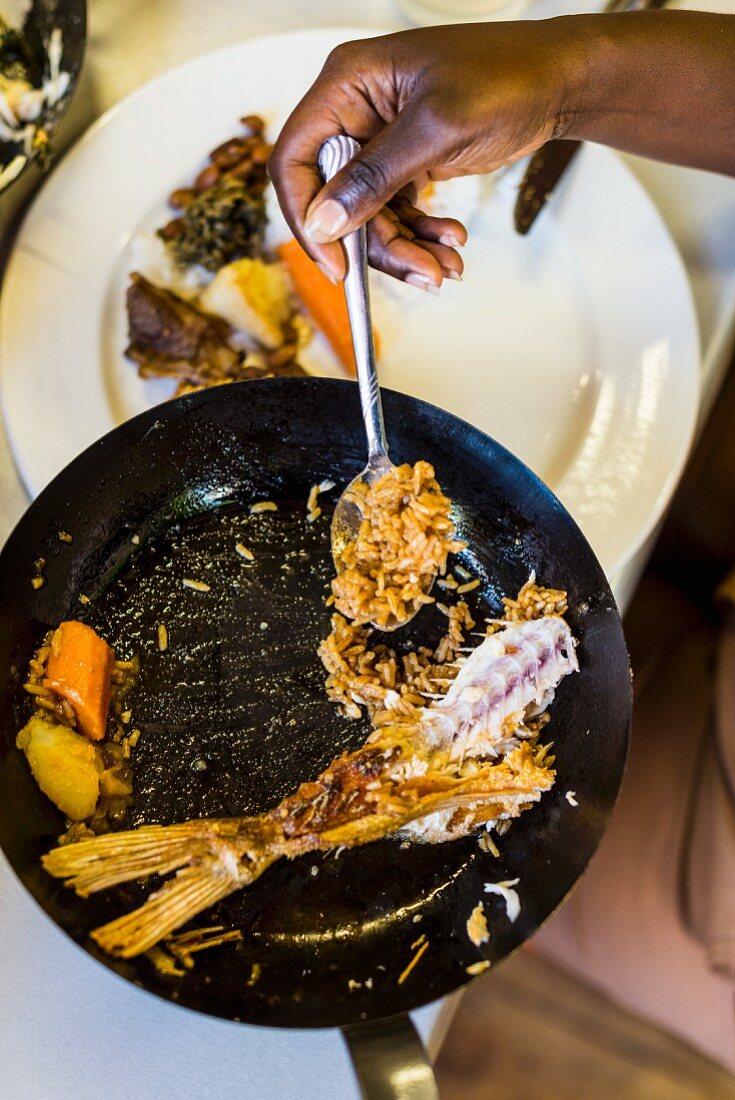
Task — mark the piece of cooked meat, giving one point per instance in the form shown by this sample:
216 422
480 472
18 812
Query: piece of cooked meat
170 337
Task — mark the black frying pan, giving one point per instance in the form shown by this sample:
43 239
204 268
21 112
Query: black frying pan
248 700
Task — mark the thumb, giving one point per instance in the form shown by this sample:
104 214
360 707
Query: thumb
397 155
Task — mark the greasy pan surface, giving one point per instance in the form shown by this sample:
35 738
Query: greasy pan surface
247 699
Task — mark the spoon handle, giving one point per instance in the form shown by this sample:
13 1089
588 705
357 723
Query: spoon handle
333 155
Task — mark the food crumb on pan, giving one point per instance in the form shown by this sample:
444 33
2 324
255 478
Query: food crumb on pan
417 918
263 506
184 945
254 974
196 586
487 844
162 637
38 582
469 587
478 967
126 716
133 737
419 941
164 963
508 894
414 961
571 799
314 871
449 583
83 599
477 929
135 540
244 552
313 511
64 536
264 626
353 984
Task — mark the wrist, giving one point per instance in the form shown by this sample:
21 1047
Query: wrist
587 62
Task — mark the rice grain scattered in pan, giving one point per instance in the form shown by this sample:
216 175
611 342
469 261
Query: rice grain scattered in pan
402 544
263 506
533 601
162 637
469 587
244 552
391 687
197 586
313 511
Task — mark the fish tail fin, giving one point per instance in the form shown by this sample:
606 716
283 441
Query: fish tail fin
193 890
104 861
211 858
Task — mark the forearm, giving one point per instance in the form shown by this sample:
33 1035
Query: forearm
660 84
450 101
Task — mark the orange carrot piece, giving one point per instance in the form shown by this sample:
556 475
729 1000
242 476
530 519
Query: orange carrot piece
79 669
324 301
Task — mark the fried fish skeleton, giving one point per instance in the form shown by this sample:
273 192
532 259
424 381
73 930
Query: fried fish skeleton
467 762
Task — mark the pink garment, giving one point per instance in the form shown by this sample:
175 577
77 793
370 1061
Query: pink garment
652 923
709 894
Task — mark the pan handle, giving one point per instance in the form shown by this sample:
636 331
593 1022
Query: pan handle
390 1060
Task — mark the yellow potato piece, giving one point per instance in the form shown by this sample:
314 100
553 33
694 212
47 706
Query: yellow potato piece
253 297
64 764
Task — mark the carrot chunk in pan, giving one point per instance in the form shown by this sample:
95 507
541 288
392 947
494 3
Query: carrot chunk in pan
79 668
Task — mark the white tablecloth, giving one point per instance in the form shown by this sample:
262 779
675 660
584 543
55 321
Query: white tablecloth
69 1029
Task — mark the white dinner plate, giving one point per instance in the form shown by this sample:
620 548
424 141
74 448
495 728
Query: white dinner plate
576 347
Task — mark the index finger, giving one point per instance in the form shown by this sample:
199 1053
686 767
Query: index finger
331 106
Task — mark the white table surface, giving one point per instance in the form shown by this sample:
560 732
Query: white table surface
69 1029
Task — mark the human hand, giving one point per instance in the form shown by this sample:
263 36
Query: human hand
426 105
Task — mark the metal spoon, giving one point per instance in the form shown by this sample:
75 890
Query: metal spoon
333 155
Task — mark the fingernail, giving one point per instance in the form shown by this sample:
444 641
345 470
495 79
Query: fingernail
326 222
450 240
325 271
449 274
422 283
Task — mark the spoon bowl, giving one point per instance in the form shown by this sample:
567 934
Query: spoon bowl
347 515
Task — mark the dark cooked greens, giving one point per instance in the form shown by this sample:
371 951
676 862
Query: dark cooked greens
224 223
